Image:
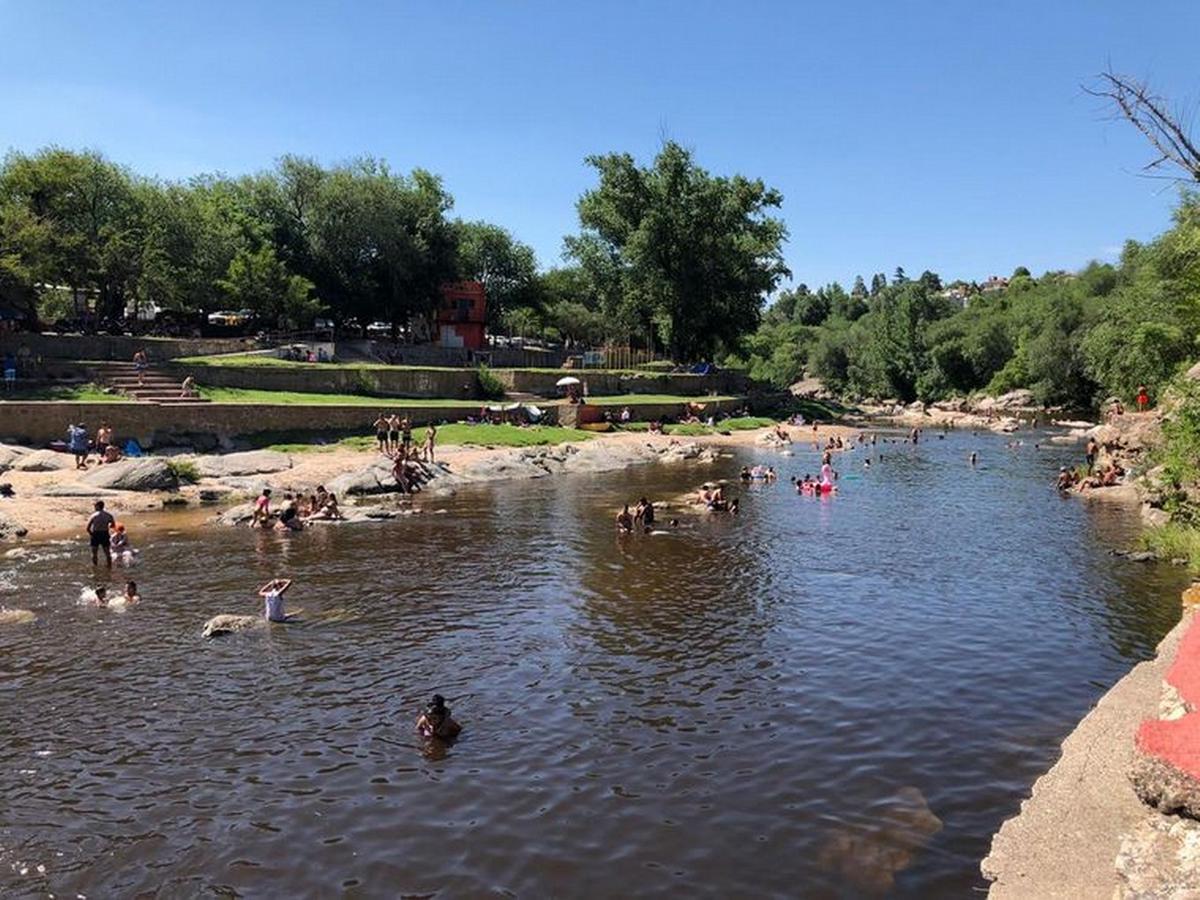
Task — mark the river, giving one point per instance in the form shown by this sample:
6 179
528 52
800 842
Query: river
838 697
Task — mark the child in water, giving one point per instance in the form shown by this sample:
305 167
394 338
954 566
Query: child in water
437 722
272 593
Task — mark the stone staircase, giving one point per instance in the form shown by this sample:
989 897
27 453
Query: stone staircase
156 386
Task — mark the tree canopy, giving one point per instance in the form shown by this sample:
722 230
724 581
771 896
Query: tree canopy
680 256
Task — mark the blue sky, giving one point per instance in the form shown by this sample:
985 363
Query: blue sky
952 136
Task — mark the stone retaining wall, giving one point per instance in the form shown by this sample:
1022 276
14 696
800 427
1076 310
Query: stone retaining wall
322 378
118 347
459 384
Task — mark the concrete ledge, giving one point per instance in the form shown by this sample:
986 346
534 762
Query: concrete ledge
1065 839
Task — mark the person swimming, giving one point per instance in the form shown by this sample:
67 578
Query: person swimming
436 721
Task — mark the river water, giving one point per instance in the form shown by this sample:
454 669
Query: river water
819 698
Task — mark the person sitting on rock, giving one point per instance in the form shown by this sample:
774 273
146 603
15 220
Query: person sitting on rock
329 510
436 721
289 516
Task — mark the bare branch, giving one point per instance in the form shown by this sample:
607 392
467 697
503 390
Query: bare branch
1148 114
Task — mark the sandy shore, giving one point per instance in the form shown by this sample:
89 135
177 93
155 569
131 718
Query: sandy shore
50 516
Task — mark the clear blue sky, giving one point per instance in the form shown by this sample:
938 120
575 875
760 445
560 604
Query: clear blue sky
952 136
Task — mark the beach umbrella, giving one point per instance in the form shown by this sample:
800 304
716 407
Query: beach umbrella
567 380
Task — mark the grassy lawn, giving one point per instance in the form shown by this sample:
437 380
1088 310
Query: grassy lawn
238 359
459 433
631 399
696 429
74 393
250 395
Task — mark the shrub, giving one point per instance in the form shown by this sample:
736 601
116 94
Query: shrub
490 386
184 470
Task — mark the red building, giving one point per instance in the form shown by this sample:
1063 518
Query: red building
462 315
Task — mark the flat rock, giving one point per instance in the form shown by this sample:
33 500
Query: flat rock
9 456
11 528
43 461
231 624
147 474
236 515
78 490
375 478
253 462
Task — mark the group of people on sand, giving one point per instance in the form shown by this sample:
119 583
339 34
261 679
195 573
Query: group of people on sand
394 435
81 446
297 508
1109 476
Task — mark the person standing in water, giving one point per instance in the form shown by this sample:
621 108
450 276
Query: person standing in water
131 594
624 520
98 536
272 593
436 721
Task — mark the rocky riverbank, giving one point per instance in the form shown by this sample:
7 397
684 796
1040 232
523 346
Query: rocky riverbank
53 499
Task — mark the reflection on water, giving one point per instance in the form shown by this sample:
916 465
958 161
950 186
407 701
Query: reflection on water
826 697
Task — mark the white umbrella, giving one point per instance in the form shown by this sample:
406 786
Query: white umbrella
567 380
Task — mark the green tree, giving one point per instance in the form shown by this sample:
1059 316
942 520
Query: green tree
260 282
690 254
506 267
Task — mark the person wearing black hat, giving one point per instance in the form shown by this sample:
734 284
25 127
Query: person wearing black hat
436 721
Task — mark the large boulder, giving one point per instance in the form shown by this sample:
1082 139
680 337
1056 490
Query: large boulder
10 527
43 461
376 478
254 462
145 474
9 456
1018 399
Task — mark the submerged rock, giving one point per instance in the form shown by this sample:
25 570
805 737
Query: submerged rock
231 624
868 855
148 474
16 617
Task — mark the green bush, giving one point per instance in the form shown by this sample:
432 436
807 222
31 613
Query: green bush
185 471
490 386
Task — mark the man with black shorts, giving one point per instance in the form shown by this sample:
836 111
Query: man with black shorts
97 529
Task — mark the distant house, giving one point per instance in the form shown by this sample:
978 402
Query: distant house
959 292
462 316
993 284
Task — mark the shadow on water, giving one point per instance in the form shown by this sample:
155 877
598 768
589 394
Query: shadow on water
834 698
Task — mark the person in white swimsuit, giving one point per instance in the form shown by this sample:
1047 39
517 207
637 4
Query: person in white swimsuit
272 593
